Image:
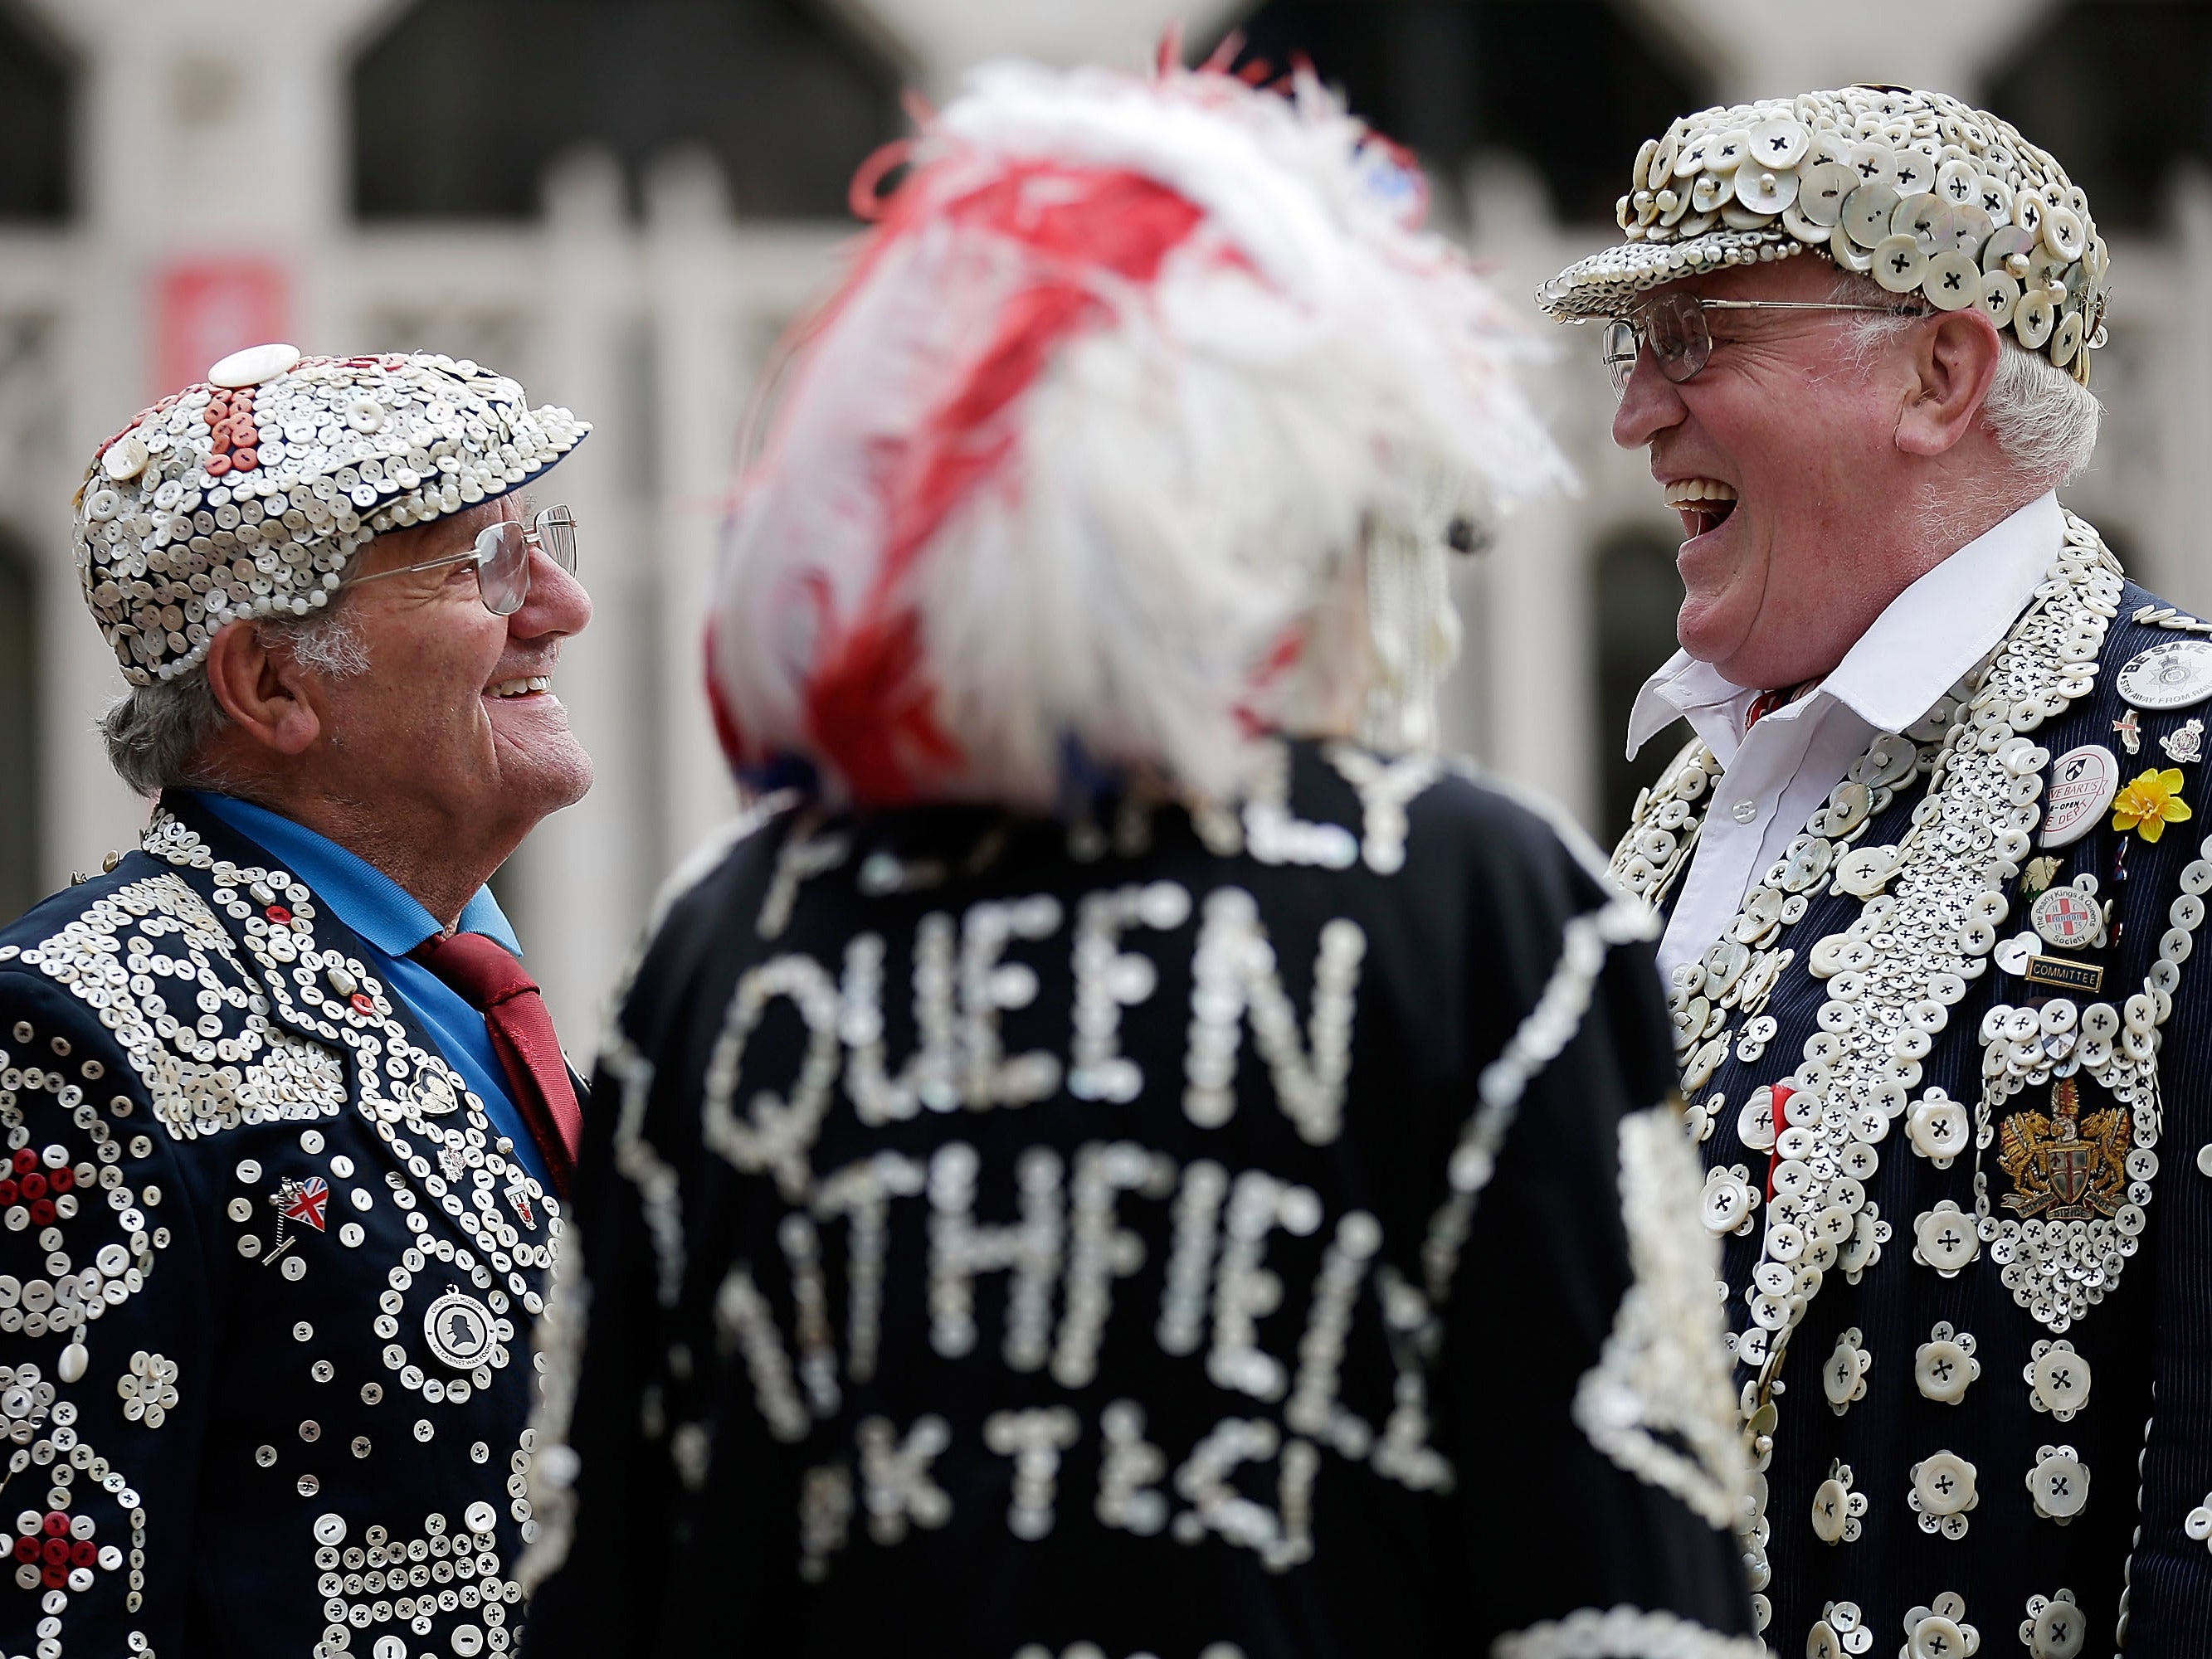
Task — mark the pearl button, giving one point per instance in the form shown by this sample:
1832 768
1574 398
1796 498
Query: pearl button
1744 811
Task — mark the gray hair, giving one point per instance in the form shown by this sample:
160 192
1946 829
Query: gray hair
2042 418
157 735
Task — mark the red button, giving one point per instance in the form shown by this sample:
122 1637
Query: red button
33 1185
246 458
26 1549
42 1212
217 465
363 1003
61 1180
57 1551
7 1193
54 1577
24 1161
84 1554
55 1525
278 914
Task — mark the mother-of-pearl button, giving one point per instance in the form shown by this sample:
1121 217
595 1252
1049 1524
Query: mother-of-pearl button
1944 1483
253 365
2059 1378
2058 1632
1944 1365
2059 1483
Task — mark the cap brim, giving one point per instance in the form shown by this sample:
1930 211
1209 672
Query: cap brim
1603 285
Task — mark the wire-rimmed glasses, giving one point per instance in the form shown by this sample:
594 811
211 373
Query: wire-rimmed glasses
500 554
1674 326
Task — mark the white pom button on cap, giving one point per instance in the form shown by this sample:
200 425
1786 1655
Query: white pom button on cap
253 365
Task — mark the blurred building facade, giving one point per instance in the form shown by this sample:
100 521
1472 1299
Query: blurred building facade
624 202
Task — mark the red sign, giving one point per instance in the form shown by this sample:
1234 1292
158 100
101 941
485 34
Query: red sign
208 308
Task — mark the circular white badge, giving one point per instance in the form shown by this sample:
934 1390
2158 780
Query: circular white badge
2066 917
459 1330
2083 784
2173 674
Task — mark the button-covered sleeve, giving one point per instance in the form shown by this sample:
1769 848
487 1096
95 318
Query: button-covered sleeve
1600 1466
104 1342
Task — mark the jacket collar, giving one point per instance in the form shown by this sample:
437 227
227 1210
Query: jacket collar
275 920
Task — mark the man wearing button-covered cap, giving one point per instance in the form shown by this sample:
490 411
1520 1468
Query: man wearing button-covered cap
1126 1152
290 1127
1931 881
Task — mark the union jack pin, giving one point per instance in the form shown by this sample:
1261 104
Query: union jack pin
303 1201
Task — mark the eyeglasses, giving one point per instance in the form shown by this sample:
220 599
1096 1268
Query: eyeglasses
1674 326
501 557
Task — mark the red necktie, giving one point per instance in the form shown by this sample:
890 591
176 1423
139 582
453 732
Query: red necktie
488 977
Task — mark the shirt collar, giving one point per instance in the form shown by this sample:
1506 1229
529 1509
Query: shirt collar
1927 639
361 895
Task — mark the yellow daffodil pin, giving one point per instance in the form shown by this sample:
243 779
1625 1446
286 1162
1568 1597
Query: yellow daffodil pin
2150 802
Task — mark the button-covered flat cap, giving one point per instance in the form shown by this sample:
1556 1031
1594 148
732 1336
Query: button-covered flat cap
1924 194
245 495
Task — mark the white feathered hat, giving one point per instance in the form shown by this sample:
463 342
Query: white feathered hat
1080 467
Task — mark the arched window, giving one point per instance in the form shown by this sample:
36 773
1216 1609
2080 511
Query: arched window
1635 594
19 876
460 105
1572 85
35 85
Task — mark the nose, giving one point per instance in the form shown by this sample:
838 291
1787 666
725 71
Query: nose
1650 403
558 605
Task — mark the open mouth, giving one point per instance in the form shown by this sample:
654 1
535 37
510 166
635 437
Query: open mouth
1703 503
522 688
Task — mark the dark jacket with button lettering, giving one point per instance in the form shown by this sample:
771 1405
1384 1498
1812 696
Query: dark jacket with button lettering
1994 1407
265 1282
1267 1238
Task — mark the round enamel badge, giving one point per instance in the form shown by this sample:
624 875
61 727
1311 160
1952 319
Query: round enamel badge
459 1329
2083 784
2173 674
2065 919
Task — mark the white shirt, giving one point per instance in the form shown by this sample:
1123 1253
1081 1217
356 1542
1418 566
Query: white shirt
1777 773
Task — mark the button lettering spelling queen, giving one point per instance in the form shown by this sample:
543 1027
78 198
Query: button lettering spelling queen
2083 784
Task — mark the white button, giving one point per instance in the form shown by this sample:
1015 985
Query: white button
1952 282
253 365
1744 811
1821 190
125 458
1938 1638
1946 1237
2060 1485
481 1518
1874 164
329 1528
1941 1370
1898 262
1764 189
1778 143
1944 1485
1867 211
1832 1510
1938 1128
1820 1643
2059 1631
2060 1377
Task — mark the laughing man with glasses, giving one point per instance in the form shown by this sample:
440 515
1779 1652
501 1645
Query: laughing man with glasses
1932 873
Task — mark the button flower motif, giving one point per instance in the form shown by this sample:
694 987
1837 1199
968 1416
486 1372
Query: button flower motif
1940 1632
1942 1492
55 1551
149 1388
2055 1628
2150 802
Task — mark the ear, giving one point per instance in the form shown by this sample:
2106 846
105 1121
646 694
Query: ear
271 699
1954 358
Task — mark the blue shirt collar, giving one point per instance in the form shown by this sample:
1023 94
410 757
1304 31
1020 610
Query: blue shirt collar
361 895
